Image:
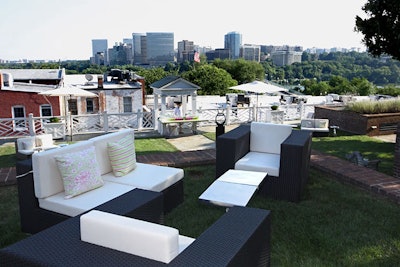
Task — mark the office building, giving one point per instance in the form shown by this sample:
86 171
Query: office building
139 48
233 42
185 51
160 48
99 51
250 52
120 54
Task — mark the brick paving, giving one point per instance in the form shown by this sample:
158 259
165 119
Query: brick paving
342 170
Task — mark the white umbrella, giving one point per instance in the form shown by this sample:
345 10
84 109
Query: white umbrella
258 87
68 91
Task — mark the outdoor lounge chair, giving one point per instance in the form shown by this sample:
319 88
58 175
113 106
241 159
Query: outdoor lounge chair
289 166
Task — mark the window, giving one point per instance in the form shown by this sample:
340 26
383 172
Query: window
89 105
73 106
127 104
19 112
46 111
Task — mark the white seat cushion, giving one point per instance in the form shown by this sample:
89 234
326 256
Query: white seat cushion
259 162
268 137
84 202
148 176
141 238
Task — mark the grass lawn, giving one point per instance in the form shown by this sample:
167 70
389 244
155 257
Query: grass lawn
333 225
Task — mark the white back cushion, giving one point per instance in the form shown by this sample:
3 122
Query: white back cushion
100 143
26 143
268 137
44 140
46 175
141 238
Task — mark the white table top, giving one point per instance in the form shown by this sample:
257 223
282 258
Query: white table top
228 194
233 188
243 177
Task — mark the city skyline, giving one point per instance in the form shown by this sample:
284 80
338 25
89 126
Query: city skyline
46 30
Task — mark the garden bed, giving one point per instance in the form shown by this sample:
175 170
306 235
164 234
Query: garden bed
366 124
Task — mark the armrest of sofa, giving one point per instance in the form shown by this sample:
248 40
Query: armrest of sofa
230 147
294 165
241 237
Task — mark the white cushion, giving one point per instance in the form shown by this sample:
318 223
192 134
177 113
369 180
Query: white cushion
84 202
101 145
141 238
122 155
26 143
46 176
268 137
44 140
259 162
148 176
79 171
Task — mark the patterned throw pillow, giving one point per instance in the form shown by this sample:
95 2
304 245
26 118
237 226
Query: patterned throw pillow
79 171
122 156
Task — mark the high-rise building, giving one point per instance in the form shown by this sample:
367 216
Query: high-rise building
185 51
139 48
120 54
160 48
153 48
99 51
250 52
233 42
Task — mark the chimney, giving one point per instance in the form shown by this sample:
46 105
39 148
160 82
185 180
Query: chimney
99 81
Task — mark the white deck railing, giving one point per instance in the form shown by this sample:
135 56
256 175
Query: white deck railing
105 122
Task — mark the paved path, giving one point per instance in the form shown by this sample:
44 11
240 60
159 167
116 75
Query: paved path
198 150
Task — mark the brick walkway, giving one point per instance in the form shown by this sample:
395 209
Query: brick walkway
342 170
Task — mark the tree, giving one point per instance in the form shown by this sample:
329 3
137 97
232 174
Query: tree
381 28
212 80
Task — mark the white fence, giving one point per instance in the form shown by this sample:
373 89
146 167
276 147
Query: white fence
94 123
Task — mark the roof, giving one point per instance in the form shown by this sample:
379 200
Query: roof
81 81
34 74
28 87
174 85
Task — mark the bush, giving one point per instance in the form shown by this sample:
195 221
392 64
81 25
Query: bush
375 107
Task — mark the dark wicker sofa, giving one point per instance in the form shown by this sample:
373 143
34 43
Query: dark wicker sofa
294 161
241 237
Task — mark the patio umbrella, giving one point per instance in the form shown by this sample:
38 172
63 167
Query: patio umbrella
258 87
68 91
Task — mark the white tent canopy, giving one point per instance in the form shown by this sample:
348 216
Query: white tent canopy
259 88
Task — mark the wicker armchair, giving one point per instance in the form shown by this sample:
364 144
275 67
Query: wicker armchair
294 164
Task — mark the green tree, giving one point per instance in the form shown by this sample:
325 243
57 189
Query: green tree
381 28
152 75
243 71
212 80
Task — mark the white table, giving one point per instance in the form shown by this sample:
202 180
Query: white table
233 188
169 125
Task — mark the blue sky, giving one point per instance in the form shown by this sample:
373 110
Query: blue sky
59 29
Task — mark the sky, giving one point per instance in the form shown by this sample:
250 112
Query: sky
63 30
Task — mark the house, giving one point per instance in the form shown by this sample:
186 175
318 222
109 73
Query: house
118 92
19 90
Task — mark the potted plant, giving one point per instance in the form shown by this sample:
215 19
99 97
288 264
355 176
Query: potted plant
274 107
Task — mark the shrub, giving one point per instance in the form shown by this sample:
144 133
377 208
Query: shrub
375 107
